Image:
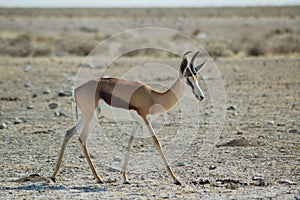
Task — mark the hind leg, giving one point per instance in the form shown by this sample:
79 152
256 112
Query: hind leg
67 137
82 143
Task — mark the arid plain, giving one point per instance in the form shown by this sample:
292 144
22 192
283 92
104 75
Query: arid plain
255 156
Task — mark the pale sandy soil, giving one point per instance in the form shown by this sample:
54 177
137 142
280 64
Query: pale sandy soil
262 116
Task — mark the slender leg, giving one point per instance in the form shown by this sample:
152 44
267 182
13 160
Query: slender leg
158 146
82 144
68 136
134 131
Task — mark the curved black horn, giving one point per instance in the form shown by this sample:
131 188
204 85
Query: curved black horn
186 53
184 62
194 57
192 62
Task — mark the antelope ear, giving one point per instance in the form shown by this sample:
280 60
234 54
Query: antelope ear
200 66
184 63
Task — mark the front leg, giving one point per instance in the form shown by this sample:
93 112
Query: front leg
158 146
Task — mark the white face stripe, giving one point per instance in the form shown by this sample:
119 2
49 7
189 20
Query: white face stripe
195 87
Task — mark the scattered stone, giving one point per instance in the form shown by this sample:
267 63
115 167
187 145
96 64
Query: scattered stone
287 182
3 125
242 142
27 85
10 99
231 186
230 180
261 180
116 159
41 132
26 68
238 131
201 182
231 108
270 122
32 178
111 180
293 130
111 169
180 164
34 95
30 107
297 197
65 94
18 121
46 91
59 114
212 167
85 65
53 105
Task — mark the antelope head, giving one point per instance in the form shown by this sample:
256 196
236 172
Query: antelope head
190 74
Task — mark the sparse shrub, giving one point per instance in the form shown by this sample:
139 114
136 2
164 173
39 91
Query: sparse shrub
288 44
258 48
148 52
41 51
219 49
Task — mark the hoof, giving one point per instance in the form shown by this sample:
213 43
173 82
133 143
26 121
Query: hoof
100 181
176 182
53 179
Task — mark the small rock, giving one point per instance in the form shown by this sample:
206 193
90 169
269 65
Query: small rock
53 105
297 197
3 125
212 167
238 131
287 182
261 180
111 180
270 122
85 65
65 94
293 131
27 85
46 91
30 107
111 169
18 121
34 95
231 108
59 114
242 142
116 159
231 186
180 164
26 68
201 182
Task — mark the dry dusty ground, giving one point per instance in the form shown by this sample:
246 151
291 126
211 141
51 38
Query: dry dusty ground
257 155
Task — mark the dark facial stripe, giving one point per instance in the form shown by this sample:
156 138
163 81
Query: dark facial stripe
189 83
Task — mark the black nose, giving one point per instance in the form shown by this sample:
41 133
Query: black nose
201 98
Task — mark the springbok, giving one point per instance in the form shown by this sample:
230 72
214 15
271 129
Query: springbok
135 97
